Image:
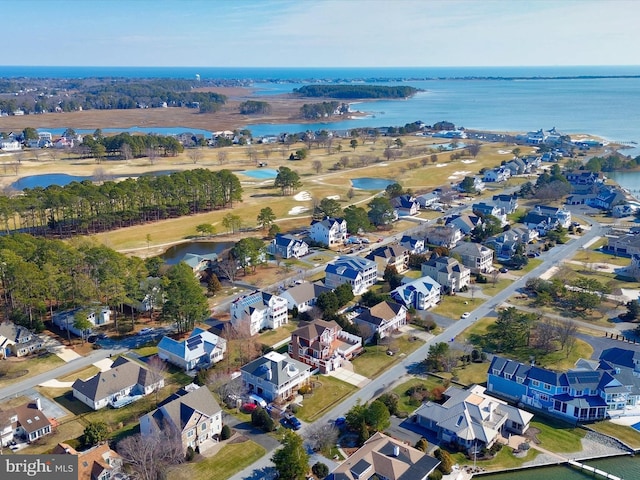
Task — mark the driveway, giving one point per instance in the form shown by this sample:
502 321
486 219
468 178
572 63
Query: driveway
350 377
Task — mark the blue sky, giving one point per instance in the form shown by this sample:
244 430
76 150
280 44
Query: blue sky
319 33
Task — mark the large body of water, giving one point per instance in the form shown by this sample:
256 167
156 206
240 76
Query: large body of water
602 101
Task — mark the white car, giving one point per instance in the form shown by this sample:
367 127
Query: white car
465 315
145 331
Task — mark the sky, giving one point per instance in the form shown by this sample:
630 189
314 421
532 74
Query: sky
321 33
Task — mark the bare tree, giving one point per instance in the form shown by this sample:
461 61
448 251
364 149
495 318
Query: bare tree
99 175
266 153
150 455
344 161
474 148
152 154
228 267
434 158
157 369
545 335
126 152
317 165
222 157
194 154
566 330
251 153
321 436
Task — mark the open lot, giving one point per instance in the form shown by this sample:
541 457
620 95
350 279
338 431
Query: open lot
375 360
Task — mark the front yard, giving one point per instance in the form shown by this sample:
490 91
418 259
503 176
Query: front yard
375 359
14 368
328 392
453 306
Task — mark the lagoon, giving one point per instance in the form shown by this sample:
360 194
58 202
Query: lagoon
45 180
200 247
262 173
366 183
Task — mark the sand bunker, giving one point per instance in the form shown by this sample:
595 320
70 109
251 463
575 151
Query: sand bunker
468 161
504 152
297 210
334 197
302 197
442 165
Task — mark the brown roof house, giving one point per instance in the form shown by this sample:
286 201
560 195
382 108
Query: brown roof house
125 382
26 421
323 345
385 457
383 318
97 463
192 412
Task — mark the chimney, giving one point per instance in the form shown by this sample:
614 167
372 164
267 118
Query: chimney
38 403
396 450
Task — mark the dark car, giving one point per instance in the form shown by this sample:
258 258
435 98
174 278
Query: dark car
340 421
292 422
504 270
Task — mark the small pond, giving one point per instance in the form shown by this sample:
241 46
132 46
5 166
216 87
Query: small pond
371 183
45 180
174 254
262 173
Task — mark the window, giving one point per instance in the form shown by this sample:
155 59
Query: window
507 376
547 386
535 383
203 427
190 433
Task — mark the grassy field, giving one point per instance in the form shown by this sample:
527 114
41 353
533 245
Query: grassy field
330 392
271 337
470 374
453 306
628 435
590 257
14 369
375 360
559 437
231 459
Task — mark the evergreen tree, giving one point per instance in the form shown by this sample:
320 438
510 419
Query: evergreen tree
291 460
186 303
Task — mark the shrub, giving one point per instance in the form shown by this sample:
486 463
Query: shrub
190 454
422 445
225 433
320 470
294 408
305 390
435 475
446 463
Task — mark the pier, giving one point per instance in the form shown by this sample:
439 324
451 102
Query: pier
595 471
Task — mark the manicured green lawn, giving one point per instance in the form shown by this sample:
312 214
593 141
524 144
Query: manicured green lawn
405 404
375 360
473 373
491 288
589 256
231 459
559 437
271 337
453 306
533 263
503 460
629 436
147 351
84 374
330 392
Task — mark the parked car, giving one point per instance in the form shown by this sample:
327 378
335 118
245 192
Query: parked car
249 407
340 421
465 315
145 331
292 422
504 270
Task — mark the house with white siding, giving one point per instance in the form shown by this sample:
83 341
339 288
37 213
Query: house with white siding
259 310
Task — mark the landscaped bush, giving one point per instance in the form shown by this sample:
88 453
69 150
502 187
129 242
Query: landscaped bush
320 470
436 475
225 433
190 454
305 390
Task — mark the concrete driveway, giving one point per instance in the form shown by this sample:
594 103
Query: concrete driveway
350 377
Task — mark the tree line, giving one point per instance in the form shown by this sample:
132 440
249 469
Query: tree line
41 275
86 208
355 91
323 109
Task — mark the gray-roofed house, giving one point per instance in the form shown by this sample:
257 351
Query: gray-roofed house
383 318
275 376
448 272
420 293
17 340
98 316
303 296
626 244
427 200
443 235
201 349
472 419
358 272
484 209
475 256
259 310
508 203
329 231
385 457
193 412
125 382
287 246
464 222
393 255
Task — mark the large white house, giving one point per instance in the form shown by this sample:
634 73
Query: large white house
201 349
448 272
259 310
329 231
358 272
420 293
97 316
287 246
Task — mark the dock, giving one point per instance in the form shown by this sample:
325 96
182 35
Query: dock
595 471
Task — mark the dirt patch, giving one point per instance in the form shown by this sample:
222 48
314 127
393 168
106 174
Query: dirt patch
238 438
532 435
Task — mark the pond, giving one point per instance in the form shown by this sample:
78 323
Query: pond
366 183
200 247
61 179
262 173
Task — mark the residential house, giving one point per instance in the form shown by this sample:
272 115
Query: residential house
591 391
581 198
199 263
414 245
393 255
382 319
259 310
97 463
9 145
497 175
63 143
358 272
448 272
125 382
200 350
329 231
385 458
192 412
323 345
475 256
287 246
620 211
17 340
303 296
623 244
608 197
443 235
464 222
405 205
472 419
97 316
483 209
428 200
420 293
478 186
26 421
505 244
274 376
526 235
508 203
584 177
544 218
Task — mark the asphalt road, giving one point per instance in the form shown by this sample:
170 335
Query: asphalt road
388 378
